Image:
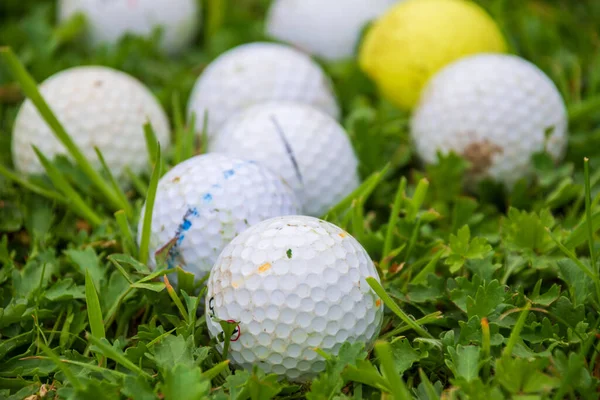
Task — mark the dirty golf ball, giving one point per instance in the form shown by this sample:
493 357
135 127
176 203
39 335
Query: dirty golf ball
98 106
307 147
205 201
496 111
109 20
320 27
415 38
254 73
292 283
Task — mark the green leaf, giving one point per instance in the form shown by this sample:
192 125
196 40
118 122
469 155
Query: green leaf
573 373
174 350
87 260
580 286
519 375
102 346
236 383
404 355
527 231
330 382
125 259
64 290
462 248
446 177
261 386
567 311
464 362
488 297
137 388
397 385
547 298
484 267
183 382
35 275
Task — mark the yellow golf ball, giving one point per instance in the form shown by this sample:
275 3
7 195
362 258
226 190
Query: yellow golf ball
416 38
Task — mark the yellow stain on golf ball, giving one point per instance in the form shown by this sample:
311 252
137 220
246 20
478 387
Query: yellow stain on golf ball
416 38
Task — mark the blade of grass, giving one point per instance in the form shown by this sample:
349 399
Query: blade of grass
393 220
49 194
579 235
179 131
215 15
593 274
176 300
189 136
94 312
429 389
426 270
588 213
573 257
152 143
358 221
113 183
116 355
127 237
428 319
69 29
136 181
515 335
64 368
583 109
112 313
397 386
363 190
93 307
29 87
377 288
417 200
122 271
91 367
413 240
150 197
485 347
65 187
216 370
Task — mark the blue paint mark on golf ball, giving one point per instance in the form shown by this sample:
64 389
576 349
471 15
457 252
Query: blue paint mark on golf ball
207 198
183 227
228 173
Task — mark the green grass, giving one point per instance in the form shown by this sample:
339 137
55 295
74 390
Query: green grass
488 295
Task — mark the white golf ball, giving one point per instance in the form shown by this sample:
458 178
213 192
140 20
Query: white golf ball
496 111
98 106
109 20
292 284
319 164
325 28
205 201
254 73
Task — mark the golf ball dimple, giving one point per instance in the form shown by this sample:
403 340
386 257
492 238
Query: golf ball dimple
109 20
254 73
205 201
98 106
322 27
496 111
309 148
408 44
292 283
